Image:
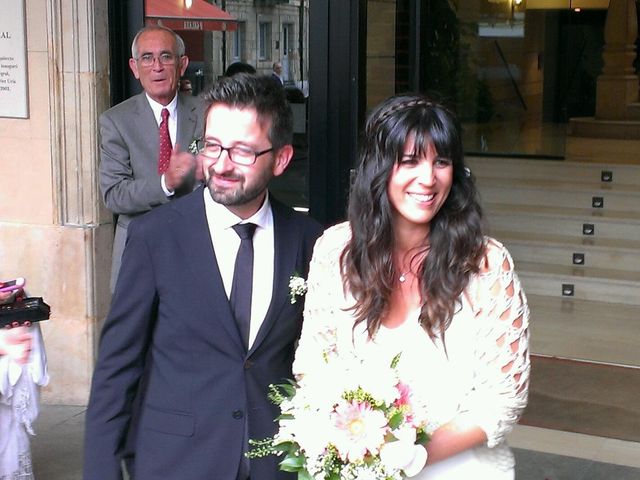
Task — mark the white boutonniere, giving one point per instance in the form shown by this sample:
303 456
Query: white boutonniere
297 287
193 147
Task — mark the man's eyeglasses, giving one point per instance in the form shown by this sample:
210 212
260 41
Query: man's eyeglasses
239 155
165 59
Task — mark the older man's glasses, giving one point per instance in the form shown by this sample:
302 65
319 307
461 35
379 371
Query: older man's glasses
164 59
239 154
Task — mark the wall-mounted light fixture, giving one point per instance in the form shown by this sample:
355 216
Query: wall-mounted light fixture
575 5
515 6
188 3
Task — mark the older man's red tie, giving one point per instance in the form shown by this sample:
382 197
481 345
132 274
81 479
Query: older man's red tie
165 143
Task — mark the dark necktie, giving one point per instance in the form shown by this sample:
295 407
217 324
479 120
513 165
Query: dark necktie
242 285
165 143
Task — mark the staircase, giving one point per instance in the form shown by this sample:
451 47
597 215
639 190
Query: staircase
574 232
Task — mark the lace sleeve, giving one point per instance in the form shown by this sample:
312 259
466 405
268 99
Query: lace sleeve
501 381
318 341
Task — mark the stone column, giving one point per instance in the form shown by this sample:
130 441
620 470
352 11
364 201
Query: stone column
79 73
617 86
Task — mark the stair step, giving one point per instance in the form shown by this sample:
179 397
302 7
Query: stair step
572 251
593 128
618 148
585 283
554 193
565 221
633 109
575 172
564 247
584 329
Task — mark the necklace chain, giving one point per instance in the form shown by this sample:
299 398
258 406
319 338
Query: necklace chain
412 261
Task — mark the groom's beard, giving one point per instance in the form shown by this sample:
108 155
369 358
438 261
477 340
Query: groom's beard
245 191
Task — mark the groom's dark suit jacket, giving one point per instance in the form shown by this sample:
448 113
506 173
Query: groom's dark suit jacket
170 318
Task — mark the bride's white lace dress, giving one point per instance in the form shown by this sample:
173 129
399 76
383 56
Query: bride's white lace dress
482 377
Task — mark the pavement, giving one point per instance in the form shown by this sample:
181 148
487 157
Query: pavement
56 450
57 453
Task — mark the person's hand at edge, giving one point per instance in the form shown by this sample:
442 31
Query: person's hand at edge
16 343
8 297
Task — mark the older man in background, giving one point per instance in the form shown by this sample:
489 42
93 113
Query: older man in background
143 162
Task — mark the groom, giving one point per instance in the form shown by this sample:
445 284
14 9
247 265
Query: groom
203 309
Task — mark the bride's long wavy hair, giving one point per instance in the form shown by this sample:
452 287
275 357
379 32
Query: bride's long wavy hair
455 243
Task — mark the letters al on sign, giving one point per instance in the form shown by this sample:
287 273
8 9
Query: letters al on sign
14 97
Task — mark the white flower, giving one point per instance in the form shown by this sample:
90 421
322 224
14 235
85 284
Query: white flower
310 428
359 429
365 473
405 434
396 455
297 287
405 456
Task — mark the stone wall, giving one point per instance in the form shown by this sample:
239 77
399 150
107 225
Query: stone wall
53 230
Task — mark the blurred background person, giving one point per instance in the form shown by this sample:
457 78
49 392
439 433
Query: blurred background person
186 86
277 72
239 67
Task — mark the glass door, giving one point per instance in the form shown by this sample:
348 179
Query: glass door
515 70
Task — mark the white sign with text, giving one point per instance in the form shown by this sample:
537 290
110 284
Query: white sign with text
14 96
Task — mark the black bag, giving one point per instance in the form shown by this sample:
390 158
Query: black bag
23 310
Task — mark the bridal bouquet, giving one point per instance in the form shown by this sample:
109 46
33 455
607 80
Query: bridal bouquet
348 422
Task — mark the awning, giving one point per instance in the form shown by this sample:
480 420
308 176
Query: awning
200 15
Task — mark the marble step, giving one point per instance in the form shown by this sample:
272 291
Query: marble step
584 283
584 330
566 221
556 193
572 251
556 170
633 109
590 127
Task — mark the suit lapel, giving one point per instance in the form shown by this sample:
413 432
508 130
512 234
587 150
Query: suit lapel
286 243
187 122
195 239
145 121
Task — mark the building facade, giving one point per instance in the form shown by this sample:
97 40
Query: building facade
265 32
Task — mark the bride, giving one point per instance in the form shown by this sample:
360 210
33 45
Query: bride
411 272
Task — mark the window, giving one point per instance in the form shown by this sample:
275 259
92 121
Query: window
238 43
264 41
287 38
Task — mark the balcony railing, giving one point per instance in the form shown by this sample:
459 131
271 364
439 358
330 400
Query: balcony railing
269 3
